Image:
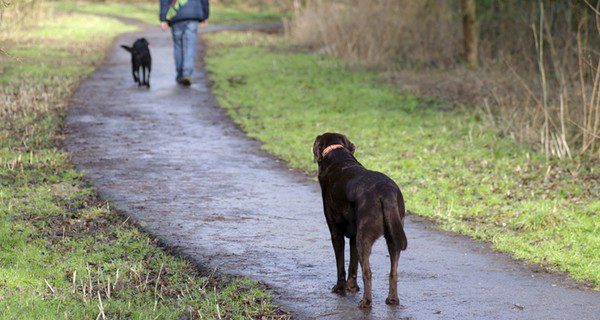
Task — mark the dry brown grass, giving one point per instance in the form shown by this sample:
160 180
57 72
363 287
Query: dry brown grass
380 32
19 13
556 105
540 73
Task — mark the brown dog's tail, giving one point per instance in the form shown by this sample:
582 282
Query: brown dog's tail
393 216
130 49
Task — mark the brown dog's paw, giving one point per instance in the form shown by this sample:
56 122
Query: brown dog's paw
364 304
352 287
392 301
339 288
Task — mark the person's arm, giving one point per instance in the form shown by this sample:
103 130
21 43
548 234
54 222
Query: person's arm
164 7
206 8
162 13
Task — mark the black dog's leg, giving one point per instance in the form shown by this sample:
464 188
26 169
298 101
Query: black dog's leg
394 252
133 73
138 77
352 283
337 240
143 75
148 81
364 245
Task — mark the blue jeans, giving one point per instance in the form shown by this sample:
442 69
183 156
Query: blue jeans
185 34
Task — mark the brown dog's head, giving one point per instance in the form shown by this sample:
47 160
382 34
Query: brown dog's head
327 139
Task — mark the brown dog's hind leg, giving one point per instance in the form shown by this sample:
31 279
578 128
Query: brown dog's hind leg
394 252
337 239
352 283
364 245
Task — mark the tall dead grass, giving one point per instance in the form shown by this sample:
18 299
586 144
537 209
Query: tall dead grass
18 13
557 103
379 33
539 80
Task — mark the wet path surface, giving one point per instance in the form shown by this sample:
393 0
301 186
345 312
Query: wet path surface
172 160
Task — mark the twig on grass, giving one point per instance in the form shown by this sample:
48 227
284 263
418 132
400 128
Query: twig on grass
101 306
116 279
49 286
156 285
74 278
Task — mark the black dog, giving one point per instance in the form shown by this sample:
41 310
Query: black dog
140 58
362 205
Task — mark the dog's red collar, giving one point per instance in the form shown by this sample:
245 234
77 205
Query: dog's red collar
330 148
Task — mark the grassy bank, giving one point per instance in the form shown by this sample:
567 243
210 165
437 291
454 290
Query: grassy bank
450 167
64 253
148 12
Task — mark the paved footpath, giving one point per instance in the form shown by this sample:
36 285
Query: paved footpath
171 159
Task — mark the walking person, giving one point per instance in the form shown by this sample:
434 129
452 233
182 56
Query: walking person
184 16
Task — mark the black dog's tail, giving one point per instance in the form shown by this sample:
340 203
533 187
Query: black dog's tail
130 49
393 215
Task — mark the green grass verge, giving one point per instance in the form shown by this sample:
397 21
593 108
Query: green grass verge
64 253
148 12
450 167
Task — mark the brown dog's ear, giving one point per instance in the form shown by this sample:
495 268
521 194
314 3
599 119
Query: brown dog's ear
316 149
349 145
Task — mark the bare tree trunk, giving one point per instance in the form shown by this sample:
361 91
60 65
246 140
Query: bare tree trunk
469 31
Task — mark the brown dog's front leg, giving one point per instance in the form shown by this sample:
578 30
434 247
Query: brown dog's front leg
338 247
352 282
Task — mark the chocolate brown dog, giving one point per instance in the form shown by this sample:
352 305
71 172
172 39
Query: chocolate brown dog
362 205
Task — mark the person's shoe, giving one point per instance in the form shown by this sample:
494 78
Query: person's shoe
186 81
